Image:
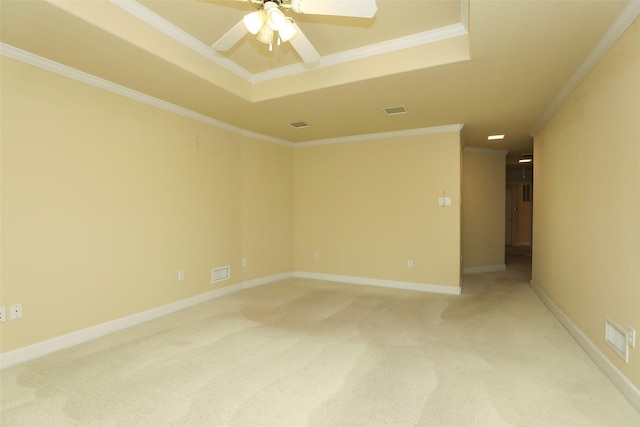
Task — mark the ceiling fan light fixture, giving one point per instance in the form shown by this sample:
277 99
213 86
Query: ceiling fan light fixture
275 18
288 30
265 35
254 21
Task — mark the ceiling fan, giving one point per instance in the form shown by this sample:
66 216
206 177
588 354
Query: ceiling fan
270 23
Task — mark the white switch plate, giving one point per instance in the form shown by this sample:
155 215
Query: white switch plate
15 312
245 262
447 201
3 314
181 275
316 256
631 334
410 263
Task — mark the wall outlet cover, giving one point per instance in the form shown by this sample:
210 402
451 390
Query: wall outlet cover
15 312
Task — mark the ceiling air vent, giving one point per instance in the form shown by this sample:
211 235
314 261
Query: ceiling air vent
300 125
394 111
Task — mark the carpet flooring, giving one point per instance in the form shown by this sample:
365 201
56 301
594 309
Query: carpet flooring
302 352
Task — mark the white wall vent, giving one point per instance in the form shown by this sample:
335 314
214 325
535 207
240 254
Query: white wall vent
221 273
616 338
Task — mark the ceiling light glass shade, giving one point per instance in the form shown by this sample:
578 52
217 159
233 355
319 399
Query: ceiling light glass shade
288 30
254 21
266 35
275 19
525 160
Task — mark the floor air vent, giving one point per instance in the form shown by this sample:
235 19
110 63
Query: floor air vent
616 338
220 274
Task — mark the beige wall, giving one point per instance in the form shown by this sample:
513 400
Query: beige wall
483 208
367 207
586 239
105 199
521 216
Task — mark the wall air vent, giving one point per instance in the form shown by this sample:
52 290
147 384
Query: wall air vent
300 125
616 338
394 111
220 274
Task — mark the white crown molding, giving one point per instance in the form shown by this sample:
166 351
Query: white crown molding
166 27
382 135
72 73
34 351
381 48
486 150
626 18
619 380
464 13
419 39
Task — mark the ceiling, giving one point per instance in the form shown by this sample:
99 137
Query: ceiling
497 67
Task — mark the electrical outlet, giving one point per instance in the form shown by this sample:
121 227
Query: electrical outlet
180 275
316 256
15 312
245 262
631 336
3 314
410 263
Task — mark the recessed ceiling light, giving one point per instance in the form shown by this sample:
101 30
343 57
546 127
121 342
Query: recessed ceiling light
495 137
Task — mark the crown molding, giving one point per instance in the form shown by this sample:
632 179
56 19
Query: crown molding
414 40
89 79
626 18
72 73
419 39
382 135
166 27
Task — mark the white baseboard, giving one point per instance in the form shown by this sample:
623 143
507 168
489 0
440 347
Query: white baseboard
622 383
484 269
43 348
413 286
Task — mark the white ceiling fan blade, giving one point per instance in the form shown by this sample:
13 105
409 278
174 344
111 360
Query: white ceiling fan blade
303 46
354 8
231 37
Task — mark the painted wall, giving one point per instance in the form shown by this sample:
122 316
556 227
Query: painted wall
105 199
586 236
367 207
483 209
522 216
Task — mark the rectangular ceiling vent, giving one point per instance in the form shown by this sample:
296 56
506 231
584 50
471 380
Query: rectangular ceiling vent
394 111
616 338
300 125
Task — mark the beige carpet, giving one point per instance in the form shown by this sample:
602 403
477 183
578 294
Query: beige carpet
310 353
